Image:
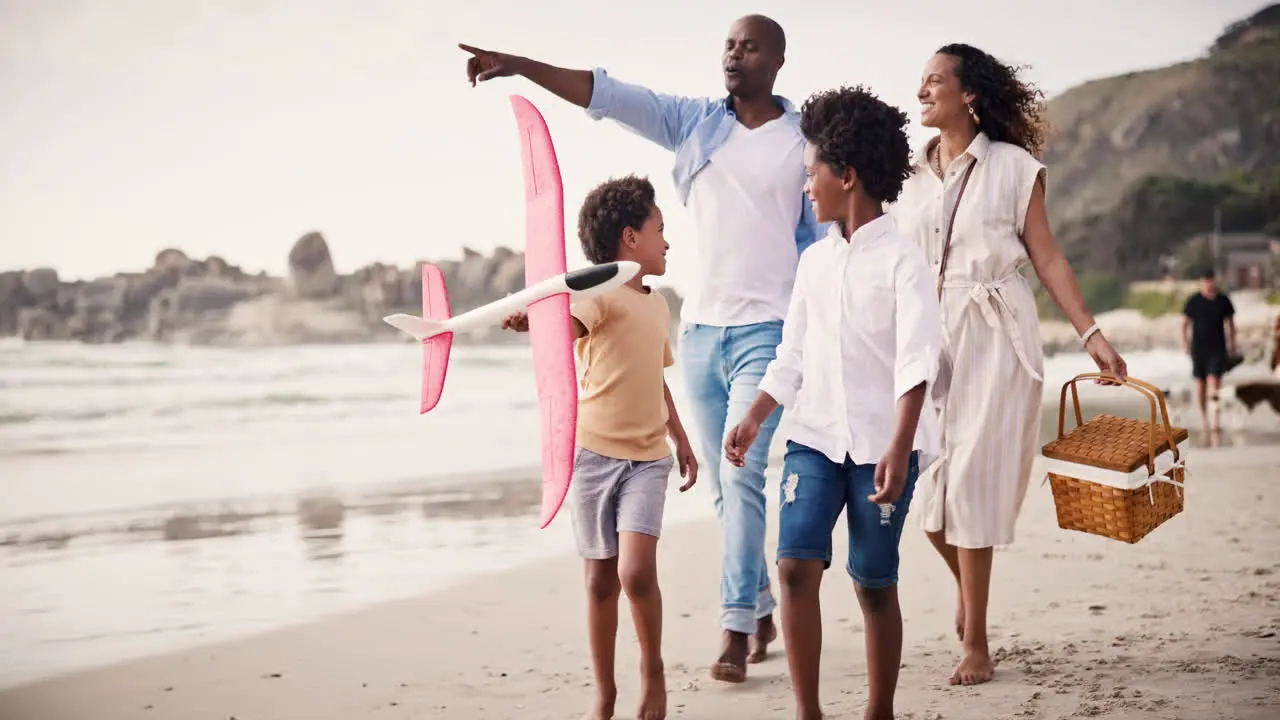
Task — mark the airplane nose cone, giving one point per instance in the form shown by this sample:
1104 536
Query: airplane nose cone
587 278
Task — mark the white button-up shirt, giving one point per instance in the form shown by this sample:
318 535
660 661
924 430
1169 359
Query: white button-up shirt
862 329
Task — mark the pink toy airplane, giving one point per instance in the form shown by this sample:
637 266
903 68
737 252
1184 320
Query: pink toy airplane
548 289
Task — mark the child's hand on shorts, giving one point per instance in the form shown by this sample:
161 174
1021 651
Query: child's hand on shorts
688 463
891 477
517 321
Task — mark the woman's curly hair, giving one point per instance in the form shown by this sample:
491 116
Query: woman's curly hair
1008 107
850 127
610 208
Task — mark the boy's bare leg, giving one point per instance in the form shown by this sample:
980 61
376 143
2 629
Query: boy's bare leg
802 631
602 627
952 558
975 584
638 570
882 617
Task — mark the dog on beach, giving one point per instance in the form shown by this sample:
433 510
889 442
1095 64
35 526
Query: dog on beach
1235 401
1254 393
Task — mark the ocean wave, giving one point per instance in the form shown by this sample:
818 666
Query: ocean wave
275 399
112 374
37 451
29 431
20 418
82 362
281 399
15 418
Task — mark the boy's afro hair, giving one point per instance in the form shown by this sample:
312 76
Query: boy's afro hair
610 208
852 128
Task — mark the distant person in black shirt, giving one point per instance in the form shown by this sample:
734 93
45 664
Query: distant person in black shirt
1208 316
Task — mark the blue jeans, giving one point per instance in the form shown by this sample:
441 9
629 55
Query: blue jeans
723 367
813 493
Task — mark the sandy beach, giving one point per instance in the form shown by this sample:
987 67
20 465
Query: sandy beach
1185 624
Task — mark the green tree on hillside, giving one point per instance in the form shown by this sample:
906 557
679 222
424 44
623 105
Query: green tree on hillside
1158 214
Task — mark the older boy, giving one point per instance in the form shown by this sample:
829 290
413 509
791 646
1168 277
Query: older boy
859 346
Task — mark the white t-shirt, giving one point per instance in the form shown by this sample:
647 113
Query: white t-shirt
746 205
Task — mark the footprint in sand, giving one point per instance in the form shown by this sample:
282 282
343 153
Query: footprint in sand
928 715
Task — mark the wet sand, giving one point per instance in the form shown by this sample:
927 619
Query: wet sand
1185 624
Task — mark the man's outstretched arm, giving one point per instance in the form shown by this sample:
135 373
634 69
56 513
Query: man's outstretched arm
574 86
663 119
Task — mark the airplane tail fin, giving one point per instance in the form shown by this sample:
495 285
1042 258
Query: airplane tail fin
421 329
435 349
429 330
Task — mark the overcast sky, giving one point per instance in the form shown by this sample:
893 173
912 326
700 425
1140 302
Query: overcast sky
234 127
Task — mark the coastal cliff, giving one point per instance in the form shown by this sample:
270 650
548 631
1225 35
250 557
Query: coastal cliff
1140 163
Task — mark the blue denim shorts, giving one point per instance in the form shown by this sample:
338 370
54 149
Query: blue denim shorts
814 490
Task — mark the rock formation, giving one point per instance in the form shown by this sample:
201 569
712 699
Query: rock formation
210 301
311 273
175 292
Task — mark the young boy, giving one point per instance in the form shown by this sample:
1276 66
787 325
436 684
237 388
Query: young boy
625 413
859 345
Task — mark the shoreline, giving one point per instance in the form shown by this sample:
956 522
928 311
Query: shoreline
1079 624
1128 329
506 490
488 521
325 551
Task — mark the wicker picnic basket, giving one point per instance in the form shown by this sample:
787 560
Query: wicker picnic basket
1108 448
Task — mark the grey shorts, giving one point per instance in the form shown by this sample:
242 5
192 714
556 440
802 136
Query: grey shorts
608 496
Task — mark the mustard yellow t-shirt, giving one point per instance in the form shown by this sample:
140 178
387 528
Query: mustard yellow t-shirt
622 410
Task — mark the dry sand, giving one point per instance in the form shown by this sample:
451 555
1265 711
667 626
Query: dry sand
1186 624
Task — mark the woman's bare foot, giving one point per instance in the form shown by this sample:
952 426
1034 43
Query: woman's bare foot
975 669
766 632
606 698
653 697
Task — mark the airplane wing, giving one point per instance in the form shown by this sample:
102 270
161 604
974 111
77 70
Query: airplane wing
550 327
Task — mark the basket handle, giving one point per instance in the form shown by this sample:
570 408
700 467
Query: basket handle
1164 411
1153 395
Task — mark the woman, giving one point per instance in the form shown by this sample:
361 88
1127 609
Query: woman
983 167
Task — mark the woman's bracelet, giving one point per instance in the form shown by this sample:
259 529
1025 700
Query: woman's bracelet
1084 339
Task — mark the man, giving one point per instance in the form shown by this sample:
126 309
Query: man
1208 316
739 166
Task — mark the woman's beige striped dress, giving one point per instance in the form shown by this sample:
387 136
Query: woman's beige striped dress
990 407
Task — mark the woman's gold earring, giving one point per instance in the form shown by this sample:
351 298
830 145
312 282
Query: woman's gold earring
974 115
